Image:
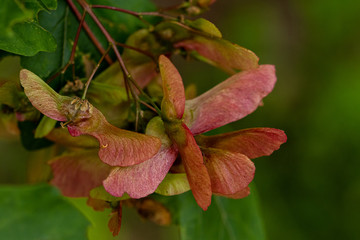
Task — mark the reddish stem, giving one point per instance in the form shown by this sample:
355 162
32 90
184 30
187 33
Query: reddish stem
112 42
127 75
157 14
88 9
53 77
140 15
76 40
117 9
73 50
136 14
89 32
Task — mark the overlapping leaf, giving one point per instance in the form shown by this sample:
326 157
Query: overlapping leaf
21 34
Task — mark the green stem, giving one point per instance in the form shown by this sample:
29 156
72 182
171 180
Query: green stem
94 71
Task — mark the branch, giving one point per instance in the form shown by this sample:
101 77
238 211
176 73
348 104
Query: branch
93 72
127 75
139 15
178 20
88 9
89 32
137 50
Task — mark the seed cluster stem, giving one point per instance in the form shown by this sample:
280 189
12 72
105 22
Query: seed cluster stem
127 76
88 31
94 71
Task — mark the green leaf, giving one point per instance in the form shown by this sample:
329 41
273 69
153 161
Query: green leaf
45 126
103 92
99 220
38 5
38 212
27 39
225 219
63 25
20 33
48 4
205 26
173 184
12 12
121 25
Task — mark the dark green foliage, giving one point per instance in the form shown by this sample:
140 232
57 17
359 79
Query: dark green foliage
226 219
20 32
38 212
28 140
63 25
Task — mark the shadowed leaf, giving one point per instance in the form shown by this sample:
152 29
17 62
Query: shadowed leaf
28 140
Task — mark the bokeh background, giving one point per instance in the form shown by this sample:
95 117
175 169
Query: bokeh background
310 188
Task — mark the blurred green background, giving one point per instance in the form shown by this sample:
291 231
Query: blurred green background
310 188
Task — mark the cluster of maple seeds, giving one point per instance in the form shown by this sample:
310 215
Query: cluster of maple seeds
122 164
